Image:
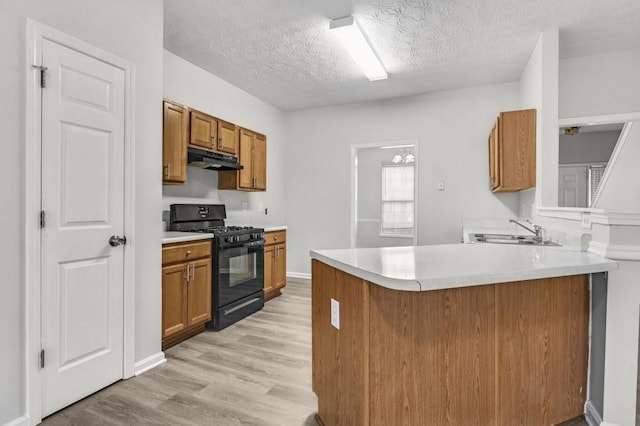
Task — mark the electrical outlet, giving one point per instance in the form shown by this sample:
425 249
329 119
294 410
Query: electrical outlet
245 207
586 221
335 313
441 185
260 207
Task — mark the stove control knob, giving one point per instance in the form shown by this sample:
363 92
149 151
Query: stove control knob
237 237
228 239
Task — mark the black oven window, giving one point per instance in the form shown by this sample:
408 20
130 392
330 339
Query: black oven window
242 268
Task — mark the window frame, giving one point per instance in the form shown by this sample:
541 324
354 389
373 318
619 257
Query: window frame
382 233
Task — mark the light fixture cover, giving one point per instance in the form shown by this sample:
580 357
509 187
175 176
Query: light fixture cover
352 38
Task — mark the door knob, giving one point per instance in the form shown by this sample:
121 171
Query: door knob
116 241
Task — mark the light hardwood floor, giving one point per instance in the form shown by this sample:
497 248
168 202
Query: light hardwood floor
255 372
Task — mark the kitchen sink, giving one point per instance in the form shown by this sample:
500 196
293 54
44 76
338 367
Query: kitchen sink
509 239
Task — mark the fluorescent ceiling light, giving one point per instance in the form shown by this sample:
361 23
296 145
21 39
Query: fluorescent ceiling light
349 33
396 146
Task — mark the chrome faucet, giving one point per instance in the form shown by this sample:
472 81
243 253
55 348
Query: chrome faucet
537 229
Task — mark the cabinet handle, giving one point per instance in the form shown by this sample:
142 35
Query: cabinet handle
193 272
166 170
186 274
188 252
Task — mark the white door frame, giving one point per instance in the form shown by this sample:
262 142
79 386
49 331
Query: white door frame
354 172
36 33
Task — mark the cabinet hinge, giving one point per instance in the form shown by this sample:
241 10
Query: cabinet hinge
42 219
42 70
42 358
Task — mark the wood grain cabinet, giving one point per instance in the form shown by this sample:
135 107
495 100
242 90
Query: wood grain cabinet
253 157
228 138
186 290
175 136
275 263
204 131
212 134
512 151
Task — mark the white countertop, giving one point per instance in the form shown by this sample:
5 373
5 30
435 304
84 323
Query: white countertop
180 237
436 267
272 228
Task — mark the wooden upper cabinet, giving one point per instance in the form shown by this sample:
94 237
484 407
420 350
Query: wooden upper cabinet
204 131
175 136
253 158
227 138
260 161
512 151
245 176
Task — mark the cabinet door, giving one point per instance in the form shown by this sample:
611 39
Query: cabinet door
280 266
268 268
204 130
175 134
199 292
245 180
174 299
260 162
494 159
227 138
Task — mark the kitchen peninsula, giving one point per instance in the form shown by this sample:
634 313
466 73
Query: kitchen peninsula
460 334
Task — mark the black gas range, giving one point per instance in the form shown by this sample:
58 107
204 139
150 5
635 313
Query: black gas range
238 261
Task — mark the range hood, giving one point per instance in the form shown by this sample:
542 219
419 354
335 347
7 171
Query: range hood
211 160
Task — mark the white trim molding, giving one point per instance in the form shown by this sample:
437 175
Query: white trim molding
615 251
302 275
616 218
35 34
20 421
149 362
591 415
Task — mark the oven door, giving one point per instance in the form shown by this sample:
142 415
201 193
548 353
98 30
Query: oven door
238 272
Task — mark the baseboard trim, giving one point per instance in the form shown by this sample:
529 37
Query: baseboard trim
591 415
149 362
20 421
299 275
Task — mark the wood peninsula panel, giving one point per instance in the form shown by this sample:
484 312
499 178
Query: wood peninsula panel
432 357
502 354
542 357
340 357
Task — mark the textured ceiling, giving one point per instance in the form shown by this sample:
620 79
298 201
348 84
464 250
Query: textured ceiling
282 52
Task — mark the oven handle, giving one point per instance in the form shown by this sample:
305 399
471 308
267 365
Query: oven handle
242 305
253 244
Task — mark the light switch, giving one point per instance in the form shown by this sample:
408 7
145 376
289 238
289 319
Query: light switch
335 313
245 207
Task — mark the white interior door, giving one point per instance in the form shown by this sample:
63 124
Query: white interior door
572 190
83 200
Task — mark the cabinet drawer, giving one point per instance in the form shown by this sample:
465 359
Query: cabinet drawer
181 252
275 237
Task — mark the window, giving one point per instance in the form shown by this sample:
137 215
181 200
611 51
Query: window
397 201
596 171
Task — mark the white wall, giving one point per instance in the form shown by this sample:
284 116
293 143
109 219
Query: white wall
192 86
133 31
592 147
620 188
600 84
539 90
451 128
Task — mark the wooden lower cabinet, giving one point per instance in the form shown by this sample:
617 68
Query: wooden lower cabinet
186 290
275 263
502 354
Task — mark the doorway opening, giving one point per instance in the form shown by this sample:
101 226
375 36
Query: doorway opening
384 202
